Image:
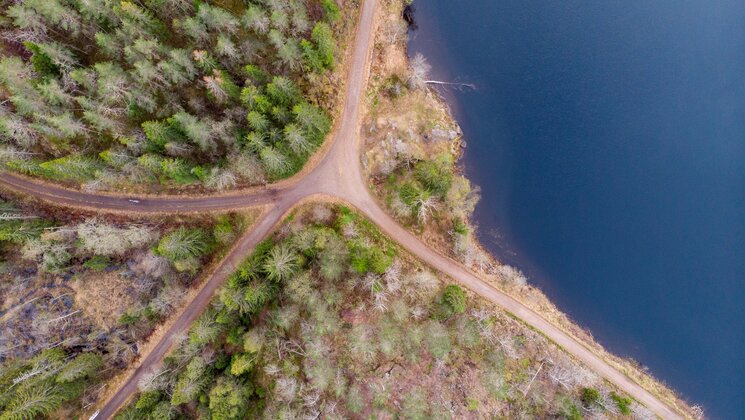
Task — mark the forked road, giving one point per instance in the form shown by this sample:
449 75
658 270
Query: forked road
337 175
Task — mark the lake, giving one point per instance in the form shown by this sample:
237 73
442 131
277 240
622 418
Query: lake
608 138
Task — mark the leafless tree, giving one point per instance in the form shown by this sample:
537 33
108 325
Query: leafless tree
512 275
285 389
392 277
424 206
102 238
419 71
395 31
570 375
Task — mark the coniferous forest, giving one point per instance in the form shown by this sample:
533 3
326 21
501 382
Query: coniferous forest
109 94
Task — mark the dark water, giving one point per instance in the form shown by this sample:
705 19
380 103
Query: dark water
609 140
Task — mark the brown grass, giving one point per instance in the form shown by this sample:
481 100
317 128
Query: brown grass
104 297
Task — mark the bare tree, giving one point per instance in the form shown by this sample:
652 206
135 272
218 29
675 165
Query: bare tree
101 238
570 375
419 71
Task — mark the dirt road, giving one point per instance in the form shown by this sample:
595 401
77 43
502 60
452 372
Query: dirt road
339 175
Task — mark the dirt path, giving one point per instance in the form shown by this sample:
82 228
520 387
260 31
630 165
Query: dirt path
338 175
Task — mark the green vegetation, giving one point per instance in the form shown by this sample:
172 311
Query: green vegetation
184 247
590 397
39 386
79 297
455 298
110 94
302 330
622 403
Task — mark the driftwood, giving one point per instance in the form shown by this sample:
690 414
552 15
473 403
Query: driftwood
452 84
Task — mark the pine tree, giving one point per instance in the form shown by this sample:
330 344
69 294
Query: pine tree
282 91
275 162
109 45
73 167
255 19
30 402
183 243
279 20
159 133
257 121
15 128
289 55
139 21
225 47
255 296
312 119
323 38
297 140
68 126
53 93
57 14
198 132
217 20
82 366
204 330
455 298
221 179
191 381
281 263
300 20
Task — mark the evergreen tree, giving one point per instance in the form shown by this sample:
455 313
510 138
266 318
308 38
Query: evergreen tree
82 366
281 263
228 399
183 244
192 381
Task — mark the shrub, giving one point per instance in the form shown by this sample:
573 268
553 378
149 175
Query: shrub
223 231
369 259
415 406
242 363
623 403
355 401
330 10
455 297
437 339
436 175
569 410
589 397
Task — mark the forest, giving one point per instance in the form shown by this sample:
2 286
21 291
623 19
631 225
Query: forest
167 93
328 319
80 295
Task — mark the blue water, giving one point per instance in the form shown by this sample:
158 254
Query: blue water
609 141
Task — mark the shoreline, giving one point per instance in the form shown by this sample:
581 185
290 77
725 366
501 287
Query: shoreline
360 198
529 294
